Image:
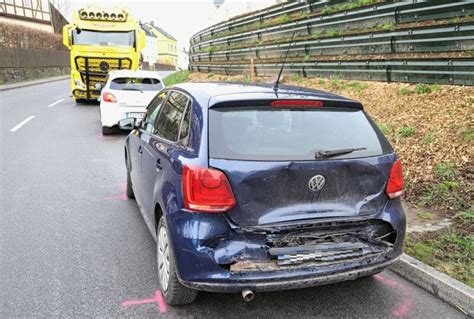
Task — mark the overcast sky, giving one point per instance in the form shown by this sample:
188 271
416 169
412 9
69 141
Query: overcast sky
181 18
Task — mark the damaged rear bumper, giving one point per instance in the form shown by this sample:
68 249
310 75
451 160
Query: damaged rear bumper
291 283
212 256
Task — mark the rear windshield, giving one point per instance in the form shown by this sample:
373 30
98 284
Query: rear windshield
136 84
268 134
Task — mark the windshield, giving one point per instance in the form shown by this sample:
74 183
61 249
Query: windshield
86 37
136 84
246 133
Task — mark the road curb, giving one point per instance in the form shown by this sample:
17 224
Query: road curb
444 287
11 86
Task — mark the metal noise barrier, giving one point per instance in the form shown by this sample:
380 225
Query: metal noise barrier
403 41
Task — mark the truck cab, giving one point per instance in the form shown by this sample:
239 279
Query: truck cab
100 40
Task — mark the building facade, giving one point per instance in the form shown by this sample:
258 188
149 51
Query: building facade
167 46
150 52
34 14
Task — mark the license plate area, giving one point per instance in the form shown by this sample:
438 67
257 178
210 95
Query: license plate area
137 115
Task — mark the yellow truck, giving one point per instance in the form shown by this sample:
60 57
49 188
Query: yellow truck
100 40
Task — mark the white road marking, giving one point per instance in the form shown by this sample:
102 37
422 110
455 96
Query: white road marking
19 125
57 102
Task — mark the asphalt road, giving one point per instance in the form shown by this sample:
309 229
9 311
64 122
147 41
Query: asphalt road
71 245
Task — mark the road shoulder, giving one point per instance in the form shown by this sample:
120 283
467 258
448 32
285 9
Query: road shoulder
444 287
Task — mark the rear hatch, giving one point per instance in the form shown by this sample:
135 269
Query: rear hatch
131 91
277 162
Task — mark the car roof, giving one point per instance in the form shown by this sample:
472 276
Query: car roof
134 73
221 92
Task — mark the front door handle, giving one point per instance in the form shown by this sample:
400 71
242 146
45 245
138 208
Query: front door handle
140 149
158 165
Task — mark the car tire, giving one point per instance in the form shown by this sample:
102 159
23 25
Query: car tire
129 190
108 130
174 292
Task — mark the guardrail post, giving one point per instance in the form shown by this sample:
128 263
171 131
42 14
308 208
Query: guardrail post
397 15
388 72
392 44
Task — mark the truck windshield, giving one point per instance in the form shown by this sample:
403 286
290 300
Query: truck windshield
87 37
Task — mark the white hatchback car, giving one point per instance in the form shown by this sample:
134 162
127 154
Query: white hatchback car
127 94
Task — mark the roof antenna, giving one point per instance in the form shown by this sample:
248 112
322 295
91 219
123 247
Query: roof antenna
277 82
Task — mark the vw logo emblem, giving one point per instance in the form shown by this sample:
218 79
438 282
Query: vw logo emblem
316 183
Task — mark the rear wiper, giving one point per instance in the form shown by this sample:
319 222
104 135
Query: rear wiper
331 153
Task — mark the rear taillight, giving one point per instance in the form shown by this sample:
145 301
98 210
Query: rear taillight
395 181
206 190
109 97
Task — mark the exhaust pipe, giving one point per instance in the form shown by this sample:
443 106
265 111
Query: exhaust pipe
248 295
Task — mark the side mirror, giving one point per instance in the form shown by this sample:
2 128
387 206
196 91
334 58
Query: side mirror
130 123
67 35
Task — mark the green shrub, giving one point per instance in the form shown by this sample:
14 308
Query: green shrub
446 170
428 138
465 218
405 91
386 26
468 135
425 88
334 33
177 77
386 128
210 49
357 86
406 131
283 18
439 192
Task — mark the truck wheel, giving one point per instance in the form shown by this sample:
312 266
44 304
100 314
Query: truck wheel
108 130
175 294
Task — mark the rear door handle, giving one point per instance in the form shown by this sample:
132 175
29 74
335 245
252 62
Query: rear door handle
158 165
140 149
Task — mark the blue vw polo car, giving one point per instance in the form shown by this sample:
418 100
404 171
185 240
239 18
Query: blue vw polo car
247 188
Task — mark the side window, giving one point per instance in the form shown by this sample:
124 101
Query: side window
184 130
169 120
152 112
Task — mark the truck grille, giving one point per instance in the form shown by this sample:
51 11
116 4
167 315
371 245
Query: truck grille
94 70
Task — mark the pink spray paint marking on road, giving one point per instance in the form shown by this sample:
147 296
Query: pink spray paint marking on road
402 309
158 299
123 195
